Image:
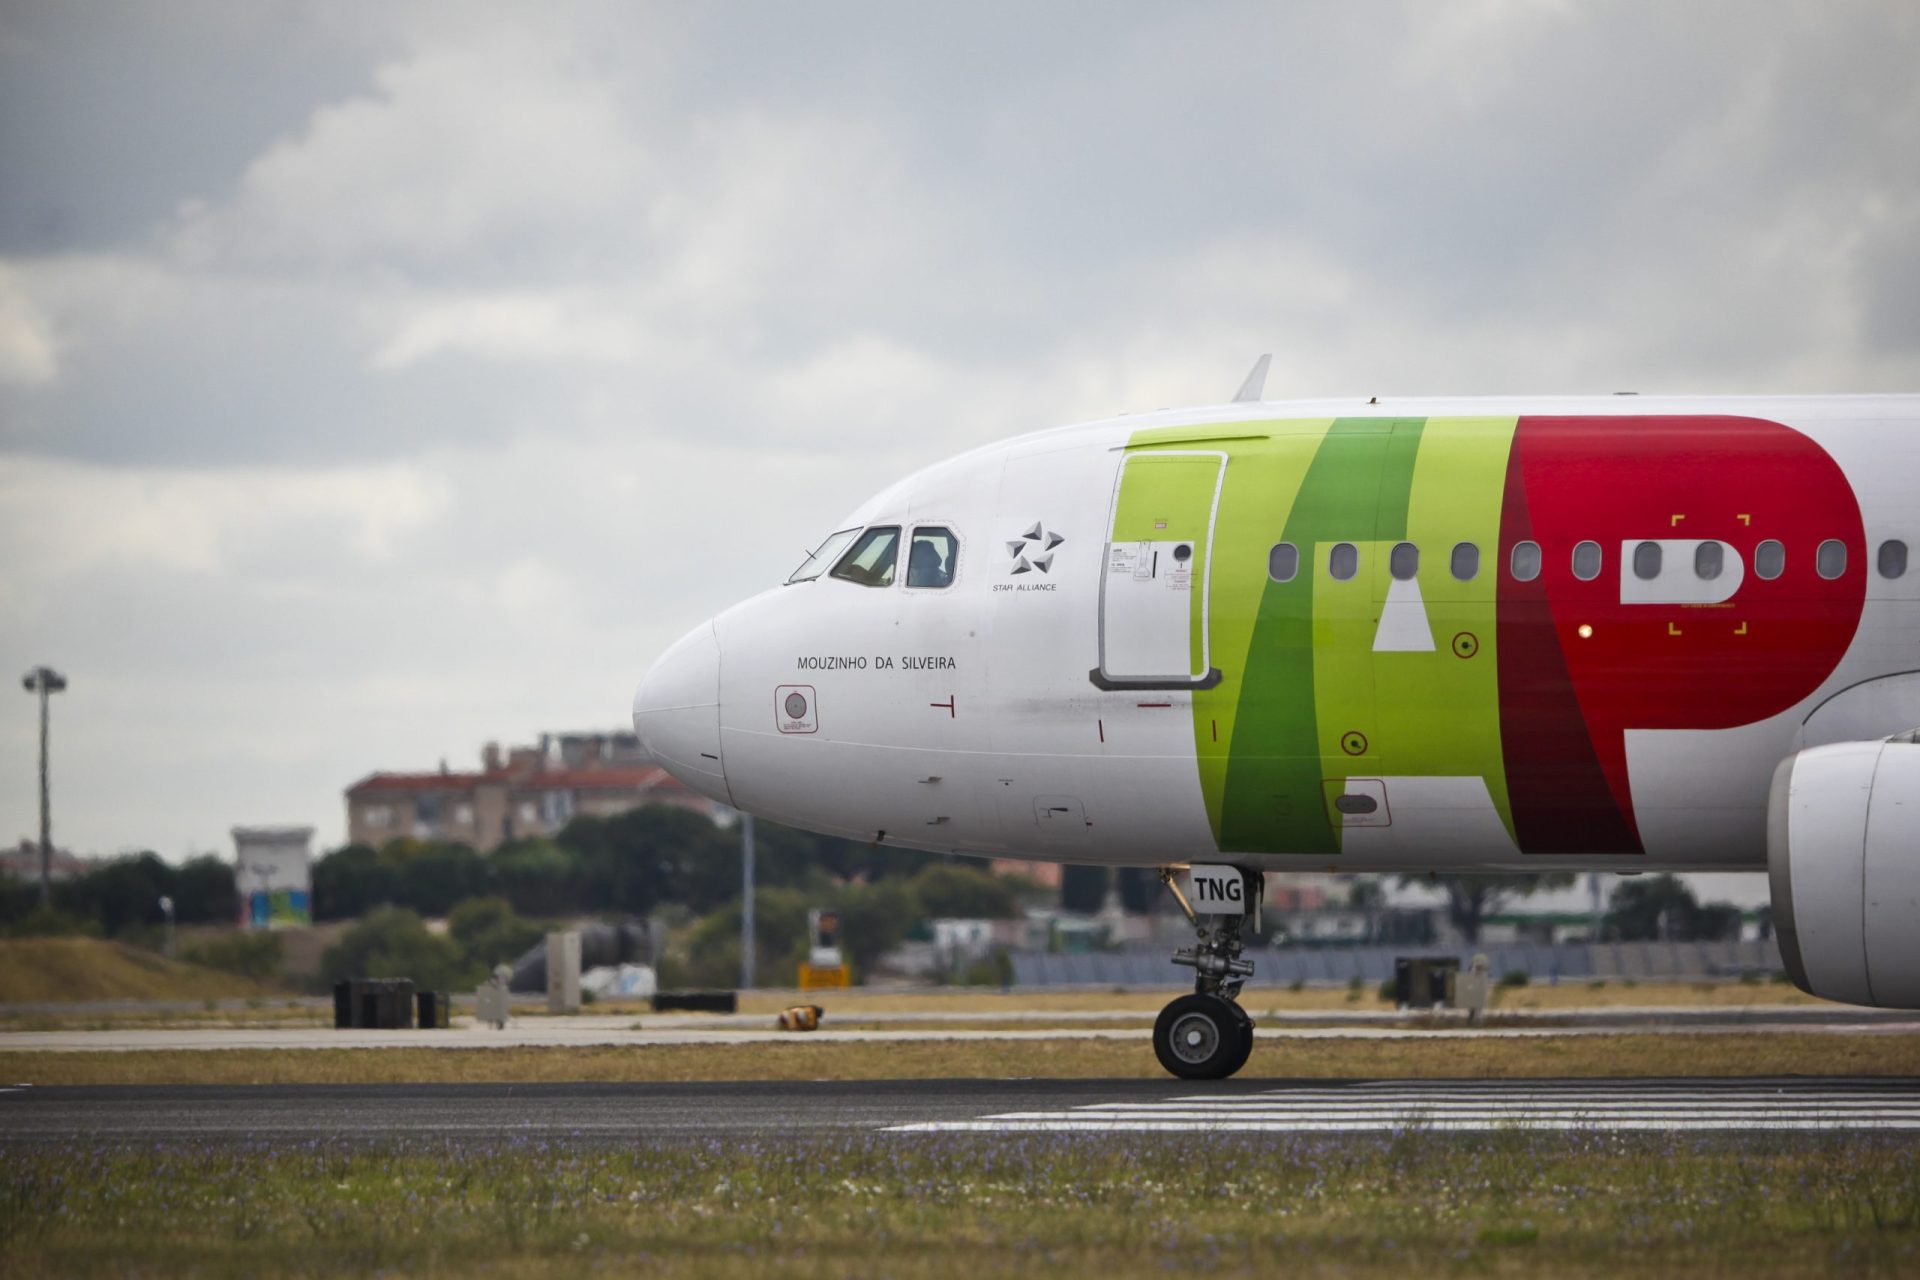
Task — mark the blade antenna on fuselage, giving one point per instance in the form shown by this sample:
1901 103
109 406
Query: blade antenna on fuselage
1256 384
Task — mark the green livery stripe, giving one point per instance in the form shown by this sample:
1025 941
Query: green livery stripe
1439 712
1273 799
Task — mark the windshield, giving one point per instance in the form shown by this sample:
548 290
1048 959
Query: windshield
872 559
823 555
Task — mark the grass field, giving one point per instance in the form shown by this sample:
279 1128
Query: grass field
1626 1054
1410 1204
48 969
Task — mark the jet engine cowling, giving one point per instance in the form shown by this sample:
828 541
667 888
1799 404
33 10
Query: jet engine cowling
1843 856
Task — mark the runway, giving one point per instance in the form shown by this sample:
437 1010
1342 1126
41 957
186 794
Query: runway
618 1113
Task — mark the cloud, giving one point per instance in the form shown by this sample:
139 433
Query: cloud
377 382
28 355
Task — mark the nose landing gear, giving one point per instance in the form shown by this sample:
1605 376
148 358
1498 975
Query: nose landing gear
1207 1036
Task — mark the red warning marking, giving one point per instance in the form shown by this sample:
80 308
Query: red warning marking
1156 704
1216 729
946 706
1103 729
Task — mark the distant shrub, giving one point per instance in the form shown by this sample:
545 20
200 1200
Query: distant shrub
1389 991
253 955
51 922
993 970
1515 978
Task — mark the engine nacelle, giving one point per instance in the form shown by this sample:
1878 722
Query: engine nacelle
1843 855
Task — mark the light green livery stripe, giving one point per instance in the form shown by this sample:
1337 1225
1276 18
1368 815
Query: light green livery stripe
1440 711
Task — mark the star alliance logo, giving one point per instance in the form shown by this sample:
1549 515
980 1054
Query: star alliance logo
1034 550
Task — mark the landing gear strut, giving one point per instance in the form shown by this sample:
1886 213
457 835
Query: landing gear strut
1207 1036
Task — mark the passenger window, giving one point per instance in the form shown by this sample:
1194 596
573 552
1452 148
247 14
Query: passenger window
931 558
1466 561
1283 562
1708 561
1343 561
1831 559
1586 561
1646 561
1525 561
1893 558
871 561
1769 560
1404 563
823 555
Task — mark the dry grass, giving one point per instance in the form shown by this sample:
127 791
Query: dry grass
63 969
1733 1054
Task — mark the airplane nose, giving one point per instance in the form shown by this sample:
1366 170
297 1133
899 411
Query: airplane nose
676 712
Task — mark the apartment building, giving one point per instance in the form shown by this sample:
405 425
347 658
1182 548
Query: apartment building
517 793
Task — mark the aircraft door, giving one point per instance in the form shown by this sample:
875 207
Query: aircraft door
1154 580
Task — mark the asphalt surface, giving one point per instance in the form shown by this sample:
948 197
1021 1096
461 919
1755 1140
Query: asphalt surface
619 1113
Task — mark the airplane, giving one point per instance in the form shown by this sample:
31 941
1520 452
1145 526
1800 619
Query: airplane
1617 633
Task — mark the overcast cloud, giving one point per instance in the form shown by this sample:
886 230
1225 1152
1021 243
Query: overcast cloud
379 380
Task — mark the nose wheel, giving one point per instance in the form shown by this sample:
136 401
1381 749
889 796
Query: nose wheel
1207 1036
1203 1037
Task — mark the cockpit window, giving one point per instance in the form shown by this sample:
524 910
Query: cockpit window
871 561
823 555
931 558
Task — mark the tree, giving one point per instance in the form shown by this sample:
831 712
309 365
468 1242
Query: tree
538 876
350 882
432 875
1138 887
1472 898
1082 889
489 933
123 894
204 891
953 891
393 943
873 920
1662 907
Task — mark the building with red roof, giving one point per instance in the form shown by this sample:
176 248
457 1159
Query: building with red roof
527 791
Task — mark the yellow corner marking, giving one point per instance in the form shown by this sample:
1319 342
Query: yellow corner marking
1744 518
1672 630
1740 630
1677 520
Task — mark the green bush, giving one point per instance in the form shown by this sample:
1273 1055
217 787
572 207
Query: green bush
50 922
253 955
488 933
993 970
393 943
1390 991
955 892
1515 978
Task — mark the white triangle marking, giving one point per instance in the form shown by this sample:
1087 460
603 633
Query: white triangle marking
1403 620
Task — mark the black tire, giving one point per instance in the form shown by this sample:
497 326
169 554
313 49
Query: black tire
1202 1037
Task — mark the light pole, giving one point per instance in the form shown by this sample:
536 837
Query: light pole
46 682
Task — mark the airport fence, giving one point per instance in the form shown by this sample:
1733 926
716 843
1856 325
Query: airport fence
1320 966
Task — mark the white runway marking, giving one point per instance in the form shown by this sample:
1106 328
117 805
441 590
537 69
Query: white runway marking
1466 1106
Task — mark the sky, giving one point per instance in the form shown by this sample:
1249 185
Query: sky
380 380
